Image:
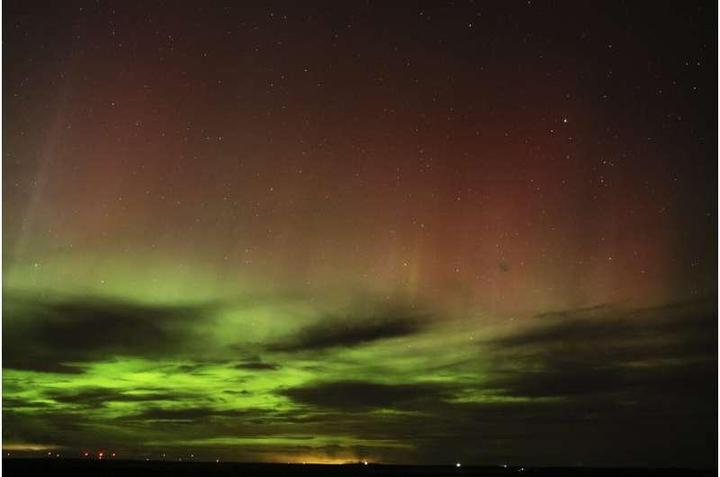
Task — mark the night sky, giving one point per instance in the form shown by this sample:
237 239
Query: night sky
408 232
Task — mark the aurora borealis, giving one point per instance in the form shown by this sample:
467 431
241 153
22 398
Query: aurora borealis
408 232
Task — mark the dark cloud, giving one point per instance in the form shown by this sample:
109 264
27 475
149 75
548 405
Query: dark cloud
257 366
687 322
38 361
248 361
630 353
356 328
191 414
354 395
94 397
59 334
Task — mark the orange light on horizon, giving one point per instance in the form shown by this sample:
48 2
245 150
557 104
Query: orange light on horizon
320 459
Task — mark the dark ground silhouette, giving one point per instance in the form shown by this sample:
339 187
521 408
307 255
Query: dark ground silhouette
75 468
